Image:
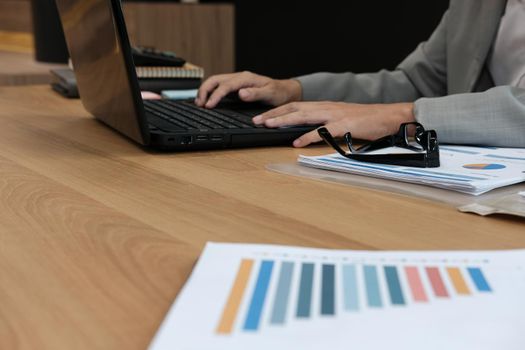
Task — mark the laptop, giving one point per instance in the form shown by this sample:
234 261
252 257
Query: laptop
100 50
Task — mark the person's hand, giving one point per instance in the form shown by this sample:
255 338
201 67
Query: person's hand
251 87
364 121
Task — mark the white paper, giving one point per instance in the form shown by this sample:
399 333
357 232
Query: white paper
481 320
472 170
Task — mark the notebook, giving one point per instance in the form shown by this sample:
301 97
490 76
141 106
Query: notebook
188 71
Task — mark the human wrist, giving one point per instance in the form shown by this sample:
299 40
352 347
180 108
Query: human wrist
401 113
294 90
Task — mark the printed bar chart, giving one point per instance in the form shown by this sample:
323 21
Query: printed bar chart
372 286
361 287
260 297
328 290
351 294
283 293
305 291
396 295
232 306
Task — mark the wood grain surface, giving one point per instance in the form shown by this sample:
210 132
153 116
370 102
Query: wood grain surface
18 68
20 42
98 235
17 63
201 33
15 15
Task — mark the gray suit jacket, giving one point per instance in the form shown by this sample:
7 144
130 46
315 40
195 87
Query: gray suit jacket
447 78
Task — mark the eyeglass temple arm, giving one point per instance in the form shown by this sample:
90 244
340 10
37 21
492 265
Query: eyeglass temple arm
377 144
327 137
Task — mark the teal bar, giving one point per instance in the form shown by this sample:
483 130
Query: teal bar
372 286
305 291
351 296
479 279
283 293
328 290
394 286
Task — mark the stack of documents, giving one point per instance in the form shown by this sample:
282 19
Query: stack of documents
258 297
471 170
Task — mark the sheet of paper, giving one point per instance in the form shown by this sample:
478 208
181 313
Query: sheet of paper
242 296
472 170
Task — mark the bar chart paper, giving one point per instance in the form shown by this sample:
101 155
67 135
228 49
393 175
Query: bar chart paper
245 296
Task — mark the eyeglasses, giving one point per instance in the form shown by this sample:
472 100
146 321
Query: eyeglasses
425 151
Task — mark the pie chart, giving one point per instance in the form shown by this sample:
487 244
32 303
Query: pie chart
485 166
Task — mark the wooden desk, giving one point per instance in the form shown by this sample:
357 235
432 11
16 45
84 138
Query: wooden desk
17 62
97 235
17 68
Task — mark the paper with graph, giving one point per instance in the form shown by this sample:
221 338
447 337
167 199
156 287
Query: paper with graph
243 296
472 170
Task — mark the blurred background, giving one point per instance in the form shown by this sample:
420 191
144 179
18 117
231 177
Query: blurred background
291 37
279 38
284 38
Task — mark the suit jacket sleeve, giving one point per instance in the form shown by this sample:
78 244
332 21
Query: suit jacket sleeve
495 117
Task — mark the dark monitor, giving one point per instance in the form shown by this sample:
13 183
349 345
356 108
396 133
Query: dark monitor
98 43
50 45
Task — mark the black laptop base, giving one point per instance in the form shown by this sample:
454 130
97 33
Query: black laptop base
193 141
182 126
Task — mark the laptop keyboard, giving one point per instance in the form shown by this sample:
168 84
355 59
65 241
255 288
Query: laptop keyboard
185 115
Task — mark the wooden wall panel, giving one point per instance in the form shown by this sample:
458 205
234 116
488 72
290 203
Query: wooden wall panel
15 15
203 34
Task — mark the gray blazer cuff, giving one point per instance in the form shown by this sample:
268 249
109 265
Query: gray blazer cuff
495 117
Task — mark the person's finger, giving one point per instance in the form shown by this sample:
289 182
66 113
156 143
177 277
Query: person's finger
306 139
236 82
219 93
336 129
207 87
297 118
276 112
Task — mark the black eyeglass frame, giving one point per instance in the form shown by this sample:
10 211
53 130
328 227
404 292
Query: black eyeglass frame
428 157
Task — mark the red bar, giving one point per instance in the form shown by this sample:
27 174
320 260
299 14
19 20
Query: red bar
437 283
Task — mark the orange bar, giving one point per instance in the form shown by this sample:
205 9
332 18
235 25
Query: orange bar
234 300
457 280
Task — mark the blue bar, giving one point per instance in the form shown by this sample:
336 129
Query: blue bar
394 287
283 292
479 279
259 294
350 288
372 286
305 290
328 290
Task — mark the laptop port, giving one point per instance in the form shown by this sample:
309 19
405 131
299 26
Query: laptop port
216 138
186 140
201 138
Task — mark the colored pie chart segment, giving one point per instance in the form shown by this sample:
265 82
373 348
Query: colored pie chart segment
484 166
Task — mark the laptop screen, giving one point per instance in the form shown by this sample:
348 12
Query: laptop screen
100 51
